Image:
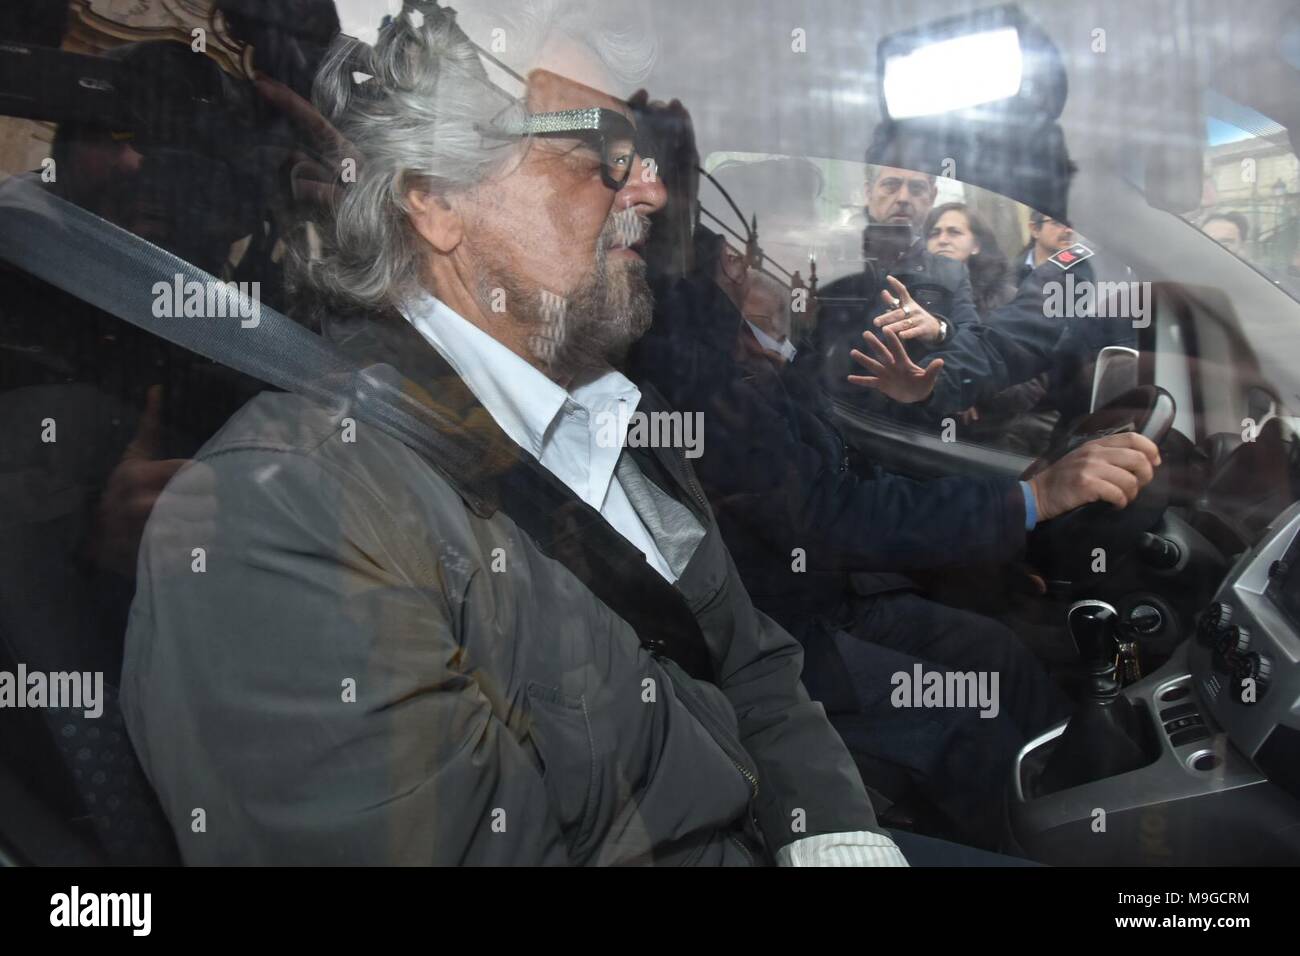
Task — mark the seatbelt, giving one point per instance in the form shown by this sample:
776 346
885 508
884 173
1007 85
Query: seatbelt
117 272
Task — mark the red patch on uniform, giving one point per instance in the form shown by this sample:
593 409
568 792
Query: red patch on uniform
1071 256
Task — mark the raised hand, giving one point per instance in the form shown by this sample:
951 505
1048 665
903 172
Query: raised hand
905 317
893 373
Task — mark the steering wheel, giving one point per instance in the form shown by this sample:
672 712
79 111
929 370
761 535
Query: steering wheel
1064 546
1148 410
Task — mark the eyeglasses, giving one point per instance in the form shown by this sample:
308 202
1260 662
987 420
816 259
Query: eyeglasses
609 133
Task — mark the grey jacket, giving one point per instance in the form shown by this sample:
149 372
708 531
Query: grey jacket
365 663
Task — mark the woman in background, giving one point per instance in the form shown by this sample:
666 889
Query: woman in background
954 231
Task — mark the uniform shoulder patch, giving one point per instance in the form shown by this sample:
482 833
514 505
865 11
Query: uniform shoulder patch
1071 256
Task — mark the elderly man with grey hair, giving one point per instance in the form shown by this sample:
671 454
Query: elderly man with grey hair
369 659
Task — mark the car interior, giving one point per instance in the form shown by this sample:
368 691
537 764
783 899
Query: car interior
1133 122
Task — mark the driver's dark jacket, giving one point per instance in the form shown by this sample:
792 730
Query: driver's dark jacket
848 307
778 476
371 669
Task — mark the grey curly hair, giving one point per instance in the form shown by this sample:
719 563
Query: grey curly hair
410 109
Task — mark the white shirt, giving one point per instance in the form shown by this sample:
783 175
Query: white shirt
560 429
569 432
784 348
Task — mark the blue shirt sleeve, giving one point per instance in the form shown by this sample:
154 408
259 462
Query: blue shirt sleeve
1031 506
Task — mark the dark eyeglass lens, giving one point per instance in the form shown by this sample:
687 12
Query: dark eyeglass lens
618 158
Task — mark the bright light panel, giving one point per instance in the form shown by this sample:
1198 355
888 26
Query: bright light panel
954 74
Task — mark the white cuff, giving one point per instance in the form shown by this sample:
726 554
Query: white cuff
862 848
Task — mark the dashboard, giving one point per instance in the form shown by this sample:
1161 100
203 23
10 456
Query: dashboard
1245 659
1220 734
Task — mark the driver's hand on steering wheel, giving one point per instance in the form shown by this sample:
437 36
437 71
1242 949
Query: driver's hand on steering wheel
1114 469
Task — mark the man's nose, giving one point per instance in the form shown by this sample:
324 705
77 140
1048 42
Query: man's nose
643 190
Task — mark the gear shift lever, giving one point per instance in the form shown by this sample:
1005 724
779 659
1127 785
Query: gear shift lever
1092 625
1100 739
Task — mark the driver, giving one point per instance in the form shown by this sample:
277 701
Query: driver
819 542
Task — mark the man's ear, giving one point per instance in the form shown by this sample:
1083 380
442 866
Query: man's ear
436 220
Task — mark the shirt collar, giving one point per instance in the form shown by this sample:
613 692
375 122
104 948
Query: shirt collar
783 348
520 398
535 412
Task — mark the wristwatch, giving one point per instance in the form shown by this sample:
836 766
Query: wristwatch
943 331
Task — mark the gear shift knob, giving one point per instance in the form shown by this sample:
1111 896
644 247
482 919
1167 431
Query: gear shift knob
1100 739
1092 625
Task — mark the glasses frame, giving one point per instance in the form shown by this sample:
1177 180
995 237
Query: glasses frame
605 126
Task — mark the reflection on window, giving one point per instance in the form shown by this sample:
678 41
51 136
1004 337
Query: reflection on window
1250 199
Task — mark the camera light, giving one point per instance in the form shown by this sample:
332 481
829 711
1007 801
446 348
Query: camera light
955 73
